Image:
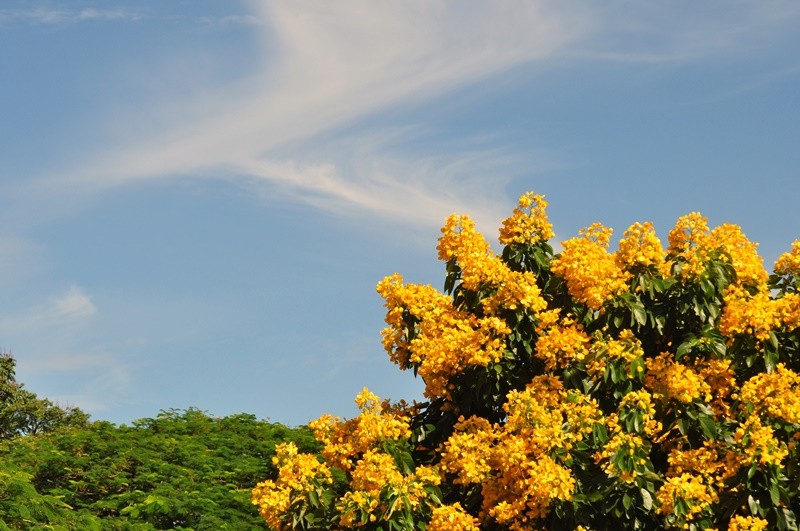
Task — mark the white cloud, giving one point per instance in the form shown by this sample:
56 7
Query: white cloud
50 16
68 309
73 304
325 65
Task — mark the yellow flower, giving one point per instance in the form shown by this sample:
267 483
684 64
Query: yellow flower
789 263
296 475
747 523
674 380
787 309
775 394
345 441
561 346
452 518
705 461
757 443
689 488
693 243
689 241
640 247
467 453
481 269
528 224
748 314
625 349
740 252
444 342
621 445
592 275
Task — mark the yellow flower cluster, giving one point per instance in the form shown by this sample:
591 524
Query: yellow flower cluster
468 451
641 402
512 463
482 269
625 349
374 474
757 444
788 310
549 416
775 394
705 461
717 373
622 446
689 488
640 247
525 487
741 253
693 242
592 274
296 476
748 314
528 224
689 241
562 345
446 340
674 380
345 441
452 518
789 263
747 523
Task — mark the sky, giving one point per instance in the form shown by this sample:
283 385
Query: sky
199 197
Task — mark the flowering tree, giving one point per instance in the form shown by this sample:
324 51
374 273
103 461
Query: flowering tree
637 389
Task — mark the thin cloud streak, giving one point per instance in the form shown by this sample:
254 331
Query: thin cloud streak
337 64
70 308
49 16
327 65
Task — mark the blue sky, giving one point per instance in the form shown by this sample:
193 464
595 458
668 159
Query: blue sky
200 196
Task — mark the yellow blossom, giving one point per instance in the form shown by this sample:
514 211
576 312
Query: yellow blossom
757 443
345 441
561 346
528 224
748 314
445 340
640 247
689 241
296 476
789 263
787 309
775 394
452 518
747 523
592 275
689 488
675 380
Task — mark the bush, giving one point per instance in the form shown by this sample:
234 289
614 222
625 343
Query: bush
637 389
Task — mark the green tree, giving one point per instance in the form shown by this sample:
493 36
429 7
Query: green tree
183 469
644 388
23 413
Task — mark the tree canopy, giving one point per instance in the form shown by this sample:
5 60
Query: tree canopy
640 388
23 413
183 469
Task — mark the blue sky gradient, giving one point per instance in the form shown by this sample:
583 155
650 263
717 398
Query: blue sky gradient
200 196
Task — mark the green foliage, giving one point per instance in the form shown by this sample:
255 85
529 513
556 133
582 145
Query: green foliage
23 413
180 470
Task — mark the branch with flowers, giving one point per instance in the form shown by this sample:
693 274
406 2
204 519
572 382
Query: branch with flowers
644 388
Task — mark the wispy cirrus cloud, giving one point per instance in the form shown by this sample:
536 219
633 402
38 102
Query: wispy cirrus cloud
53 16
325 66
66 309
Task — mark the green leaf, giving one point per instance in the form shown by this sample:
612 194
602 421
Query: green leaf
647 499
